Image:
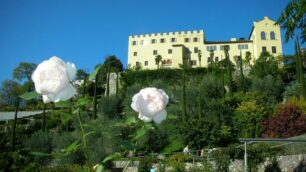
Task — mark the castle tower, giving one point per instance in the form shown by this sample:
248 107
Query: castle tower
266 36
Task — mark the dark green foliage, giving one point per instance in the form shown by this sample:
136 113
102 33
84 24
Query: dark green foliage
293 19
110 107
40 142
168 76
271 87
211 87
104 141
299 68
265 65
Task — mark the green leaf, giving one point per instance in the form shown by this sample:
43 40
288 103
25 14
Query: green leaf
128 146
65 117
29 95
92 76
73 147
130 120
91 132
83 101
175 145
171 116
100 168
140 133
111 157
66 104
40 154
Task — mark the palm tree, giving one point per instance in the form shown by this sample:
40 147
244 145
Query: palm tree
158 59
199 57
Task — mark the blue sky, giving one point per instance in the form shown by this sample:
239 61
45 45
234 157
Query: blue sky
85 31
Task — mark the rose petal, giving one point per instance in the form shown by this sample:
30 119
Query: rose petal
158 118
71 69
144 118
65 94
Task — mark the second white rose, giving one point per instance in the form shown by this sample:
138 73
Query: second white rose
150 103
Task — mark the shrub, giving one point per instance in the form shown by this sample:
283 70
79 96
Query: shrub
40 142
110 106
288 121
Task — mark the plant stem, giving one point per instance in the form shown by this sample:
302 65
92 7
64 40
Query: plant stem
44 118
82 129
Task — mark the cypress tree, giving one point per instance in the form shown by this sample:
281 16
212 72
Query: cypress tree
300 71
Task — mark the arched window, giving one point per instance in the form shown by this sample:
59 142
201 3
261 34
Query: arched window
272 35
263 35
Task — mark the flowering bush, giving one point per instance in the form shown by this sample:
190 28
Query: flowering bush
150 104
288 121
52 79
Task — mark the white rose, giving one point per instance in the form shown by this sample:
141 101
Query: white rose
52 80
150 103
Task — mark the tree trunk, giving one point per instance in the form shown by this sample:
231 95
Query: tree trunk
15 124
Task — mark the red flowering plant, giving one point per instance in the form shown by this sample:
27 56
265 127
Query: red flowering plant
289 120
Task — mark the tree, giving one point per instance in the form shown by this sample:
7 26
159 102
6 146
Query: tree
80 74
158 59
229 70
293 19
10 90
299 69
265 65
24 71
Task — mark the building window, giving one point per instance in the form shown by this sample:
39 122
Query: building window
153 41
169 51
154 52
264 49
196 49
137 63
135 53
195 39
173 39
273 49
186 39
263 35
211 48
141 42
243 46
193 62
146 63
222 47
272 35
162 40
134 43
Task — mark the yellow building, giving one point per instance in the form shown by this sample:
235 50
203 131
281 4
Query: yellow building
173 47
